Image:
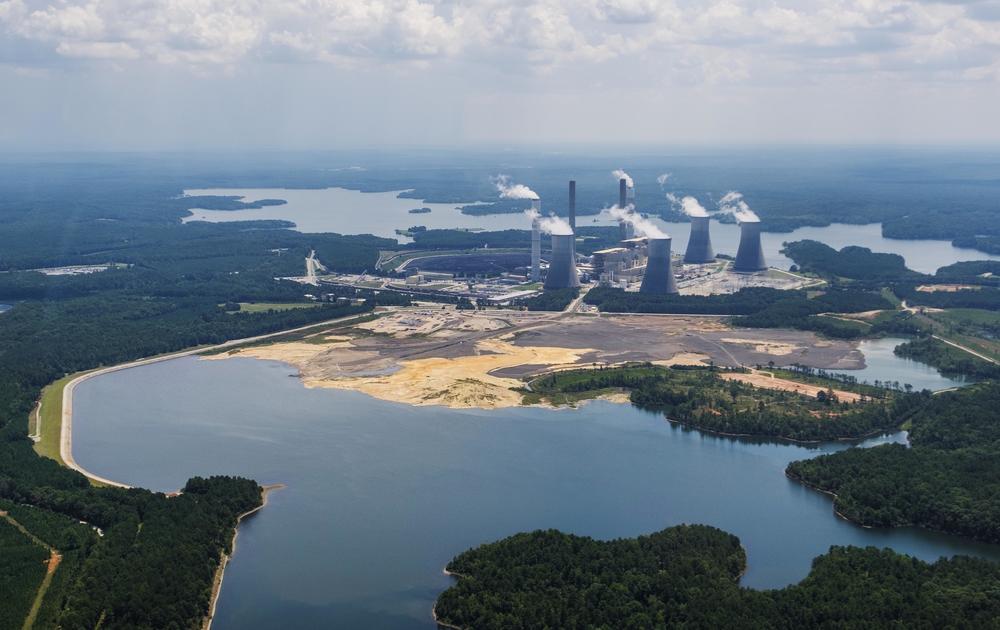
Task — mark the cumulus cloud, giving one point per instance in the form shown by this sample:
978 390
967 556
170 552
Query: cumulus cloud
714 42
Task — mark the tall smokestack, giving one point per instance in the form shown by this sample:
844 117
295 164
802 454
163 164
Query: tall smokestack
536 241
750 256
699 249
625 229
562 265
572 204
659 276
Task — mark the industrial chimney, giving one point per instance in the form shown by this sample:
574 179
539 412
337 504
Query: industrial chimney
572 204
625 229
536 240
750 256
659 276
562 266
699 249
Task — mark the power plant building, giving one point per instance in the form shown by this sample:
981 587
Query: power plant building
562 267
699 248
750 255
659 277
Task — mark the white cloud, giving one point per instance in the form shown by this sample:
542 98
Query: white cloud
718 41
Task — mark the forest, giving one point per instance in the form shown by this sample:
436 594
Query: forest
948 360
947 480
687 577
702 398
755 307
850 262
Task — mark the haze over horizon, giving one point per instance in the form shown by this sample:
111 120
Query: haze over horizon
199 74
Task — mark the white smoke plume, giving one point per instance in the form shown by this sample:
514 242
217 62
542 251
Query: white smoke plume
510 190
734 204
662 179
642 225
620 174
550 224
688 205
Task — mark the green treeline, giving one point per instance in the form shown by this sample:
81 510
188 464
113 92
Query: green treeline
758 307
701 398
947 359
948 480
553 300
687 577
850 262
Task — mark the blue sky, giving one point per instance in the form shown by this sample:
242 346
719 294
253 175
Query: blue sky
207 74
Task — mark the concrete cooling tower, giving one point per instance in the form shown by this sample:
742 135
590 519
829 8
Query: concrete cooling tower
659 276
562 266
699 249
750 256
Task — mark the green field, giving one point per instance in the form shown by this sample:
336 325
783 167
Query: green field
51 417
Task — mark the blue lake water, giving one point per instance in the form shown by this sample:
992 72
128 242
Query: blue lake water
381 495
881 364
354 212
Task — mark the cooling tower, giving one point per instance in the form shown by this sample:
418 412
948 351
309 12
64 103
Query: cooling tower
536 241
750 256
572 204
699 248
562 266
659 276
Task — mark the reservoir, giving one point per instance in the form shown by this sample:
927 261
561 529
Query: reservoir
381 496
353 212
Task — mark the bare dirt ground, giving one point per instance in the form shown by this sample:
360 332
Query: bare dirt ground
425 356
759 379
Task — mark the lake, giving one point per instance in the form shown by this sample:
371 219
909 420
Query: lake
881 364
381 496
354 212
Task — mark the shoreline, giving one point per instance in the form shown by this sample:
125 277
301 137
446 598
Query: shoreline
65 437
224 559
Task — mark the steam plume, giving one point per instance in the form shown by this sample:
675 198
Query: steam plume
688 205
642 225
550 224
510 190
662 179
733 203
620 174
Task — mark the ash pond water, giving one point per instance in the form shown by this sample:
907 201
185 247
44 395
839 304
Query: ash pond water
381 495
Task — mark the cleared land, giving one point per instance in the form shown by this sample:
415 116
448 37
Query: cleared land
426 356
760 379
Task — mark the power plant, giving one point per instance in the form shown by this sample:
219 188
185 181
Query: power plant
562 266
699 249
750 255
659 276
536 240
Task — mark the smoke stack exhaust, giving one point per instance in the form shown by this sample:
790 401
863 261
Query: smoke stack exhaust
562 266
536 241
750 256
699 249
659 277
572 204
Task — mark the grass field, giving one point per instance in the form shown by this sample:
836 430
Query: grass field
260 307
51 417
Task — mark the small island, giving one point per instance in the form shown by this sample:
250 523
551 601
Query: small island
420 211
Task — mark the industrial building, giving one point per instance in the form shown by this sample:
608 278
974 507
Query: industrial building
699 248
750 255
659 275
562 267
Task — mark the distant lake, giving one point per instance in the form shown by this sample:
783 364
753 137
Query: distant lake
882 364
354 212
381 496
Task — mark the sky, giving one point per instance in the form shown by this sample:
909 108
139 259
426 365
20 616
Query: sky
323 74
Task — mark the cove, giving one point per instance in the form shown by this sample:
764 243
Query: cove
381 495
